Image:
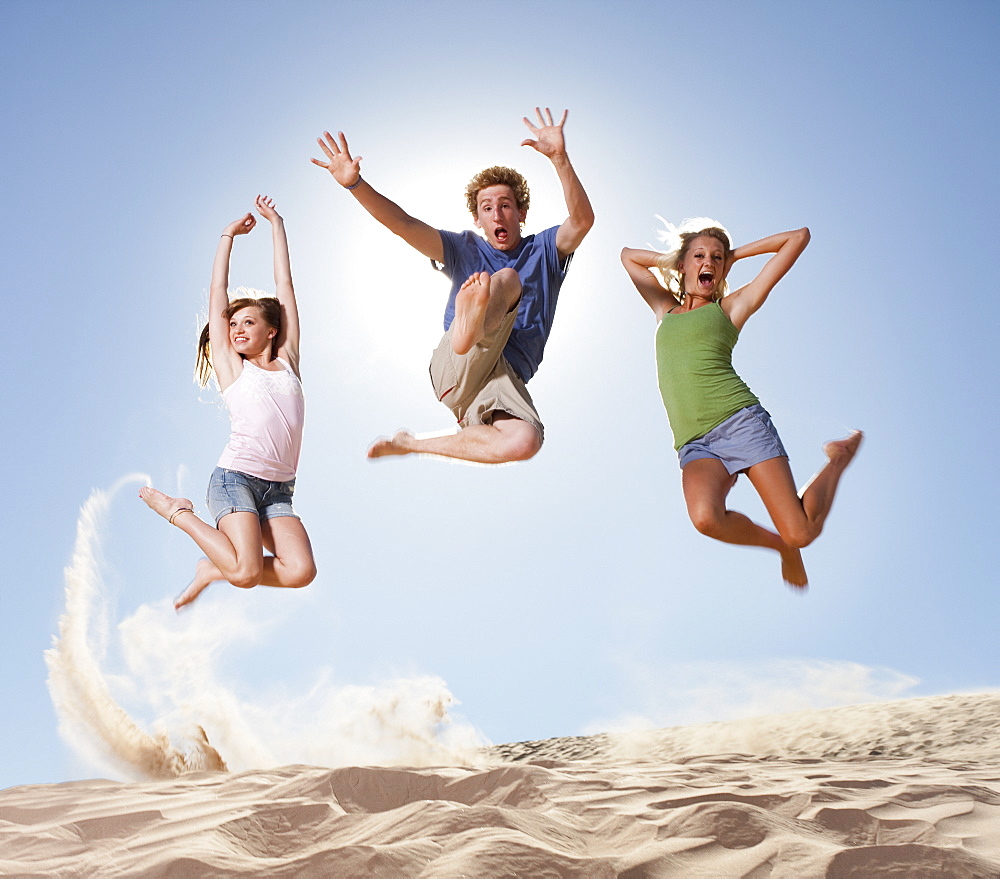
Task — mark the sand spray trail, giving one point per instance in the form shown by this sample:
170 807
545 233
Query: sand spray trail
171 672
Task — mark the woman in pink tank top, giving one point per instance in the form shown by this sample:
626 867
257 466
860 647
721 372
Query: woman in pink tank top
252 347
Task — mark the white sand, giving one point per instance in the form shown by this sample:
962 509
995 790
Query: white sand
902 789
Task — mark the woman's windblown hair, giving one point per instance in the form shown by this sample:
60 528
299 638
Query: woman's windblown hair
676 241
270 312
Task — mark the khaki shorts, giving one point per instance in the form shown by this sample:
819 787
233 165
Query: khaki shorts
478 384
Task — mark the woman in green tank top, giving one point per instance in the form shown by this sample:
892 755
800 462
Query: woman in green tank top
720 430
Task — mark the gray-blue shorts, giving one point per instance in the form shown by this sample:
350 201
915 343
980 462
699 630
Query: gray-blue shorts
742 440
230 491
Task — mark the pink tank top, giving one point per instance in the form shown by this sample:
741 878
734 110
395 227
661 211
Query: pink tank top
266 411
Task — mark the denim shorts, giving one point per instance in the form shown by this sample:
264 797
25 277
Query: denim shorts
742 440
230 491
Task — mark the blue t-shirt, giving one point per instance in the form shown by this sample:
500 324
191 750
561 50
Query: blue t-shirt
536 261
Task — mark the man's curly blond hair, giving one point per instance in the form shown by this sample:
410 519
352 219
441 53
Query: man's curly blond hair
496 176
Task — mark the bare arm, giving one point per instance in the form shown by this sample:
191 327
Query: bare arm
346 170
226 363
549 141
786 247
288 340
639 265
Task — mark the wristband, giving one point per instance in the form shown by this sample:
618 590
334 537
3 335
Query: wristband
224 235
354 185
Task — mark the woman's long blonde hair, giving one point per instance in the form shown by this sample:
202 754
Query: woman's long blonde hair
678 241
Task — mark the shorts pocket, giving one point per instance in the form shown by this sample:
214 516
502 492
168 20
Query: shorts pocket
444 376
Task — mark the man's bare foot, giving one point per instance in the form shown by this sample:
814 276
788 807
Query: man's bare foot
162 503
793 571
842 451
471 303
204 574
400 444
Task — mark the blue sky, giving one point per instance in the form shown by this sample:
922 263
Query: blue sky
568 593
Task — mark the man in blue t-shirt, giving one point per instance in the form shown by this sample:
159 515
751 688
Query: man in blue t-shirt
502 301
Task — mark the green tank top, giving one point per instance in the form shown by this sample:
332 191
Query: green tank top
694 362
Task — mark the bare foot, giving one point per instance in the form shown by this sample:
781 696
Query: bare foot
842 451
204 574
162 503
400 444
471 302
793 571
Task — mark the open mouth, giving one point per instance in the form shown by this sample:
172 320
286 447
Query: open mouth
500 234
706 279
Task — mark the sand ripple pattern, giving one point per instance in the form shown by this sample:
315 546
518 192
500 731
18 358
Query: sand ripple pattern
902 789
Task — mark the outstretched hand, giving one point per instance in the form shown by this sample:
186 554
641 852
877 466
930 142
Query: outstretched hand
344 168
241 226
548 135
265 207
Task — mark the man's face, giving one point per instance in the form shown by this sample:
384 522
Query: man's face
498 216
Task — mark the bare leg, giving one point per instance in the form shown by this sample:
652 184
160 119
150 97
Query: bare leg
480 305
707 484
799 518
292 566
162 503
205 573
236 550
506 439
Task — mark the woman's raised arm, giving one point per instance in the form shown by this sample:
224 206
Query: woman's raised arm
786 247
639 265
225 361
288 339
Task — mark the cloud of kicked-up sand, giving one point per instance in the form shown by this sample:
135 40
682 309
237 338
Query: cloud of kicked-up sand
756 707
687 693
171 669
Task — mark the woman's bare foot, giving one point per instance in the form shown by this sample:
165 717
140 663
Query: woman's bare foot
793 571
205 573
471 303
842 451
400 444
162 503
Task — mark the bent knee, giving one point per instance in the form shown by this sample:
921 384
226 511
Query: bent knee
706 520
506 276
295 572
248 578
798 536
506 283
522 444
303 576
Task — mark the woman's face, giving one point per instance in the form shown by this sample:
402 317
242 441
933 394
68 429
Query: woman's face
249 334
704 267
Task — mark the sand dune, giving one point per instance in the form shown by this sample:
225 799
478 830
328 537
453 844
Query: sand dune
908 788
